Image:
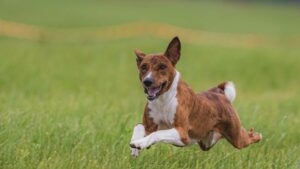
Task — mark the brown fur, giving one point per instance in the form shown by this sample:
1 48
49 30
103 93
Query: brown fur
153 63
150 126
197 114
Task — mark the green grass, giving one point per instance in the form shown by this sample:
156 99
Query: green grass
74 104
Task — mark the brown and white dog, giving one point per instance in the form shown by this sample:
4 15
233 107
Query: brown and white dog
175 114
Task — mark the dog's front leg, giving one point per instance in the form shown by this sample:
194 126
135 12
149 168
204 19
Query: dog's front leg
138 133
170 136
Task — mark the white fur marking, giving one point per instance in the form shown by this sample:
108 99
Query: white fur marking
170 136
163 108
230 92
216 137
149 75
211 139
138 133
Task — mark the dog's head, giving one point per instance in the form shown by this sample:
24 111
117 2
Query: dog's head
157 71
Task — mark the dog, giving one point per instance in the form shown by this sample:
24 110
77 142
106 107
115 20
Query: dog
176 115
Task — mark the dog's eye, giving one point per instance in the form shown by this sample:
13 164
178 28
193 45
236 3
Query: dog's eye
162 66
144 67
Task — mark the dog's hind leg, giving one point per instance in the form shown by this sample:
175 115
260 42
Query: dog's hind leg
244 138
210 140
237 135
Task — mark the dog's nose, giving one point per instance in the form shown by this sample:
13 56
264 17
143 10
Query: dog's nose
148 82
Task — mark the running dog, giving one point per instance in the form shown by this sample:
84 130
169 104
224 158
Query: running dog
175 114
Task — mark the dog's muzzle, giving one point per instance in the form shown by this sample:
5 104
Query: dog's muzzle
153 92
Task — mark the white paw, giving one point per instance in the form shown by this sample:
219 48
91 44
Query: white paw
134 152
140 144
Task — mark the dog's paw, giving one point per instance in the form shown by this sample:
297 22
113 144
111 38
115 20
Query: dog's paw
255 137
135 152
251 132
140 144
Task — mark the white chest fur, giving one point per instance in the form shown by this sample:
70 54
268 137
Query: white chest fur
163 109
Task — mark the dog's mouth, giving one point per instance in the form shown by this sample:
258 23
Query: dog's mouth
153 92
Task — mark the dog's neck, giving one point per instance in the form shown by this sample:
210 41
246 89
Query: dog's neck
166 97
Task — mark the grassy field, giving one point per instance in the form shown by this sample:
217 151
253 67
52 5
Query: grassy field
73 104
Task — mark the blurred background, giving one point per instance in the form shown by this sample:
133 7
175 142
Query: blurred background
70 94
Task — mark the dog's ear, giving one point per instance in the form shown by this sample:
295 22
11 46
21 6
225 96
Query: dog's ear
173 50
139 56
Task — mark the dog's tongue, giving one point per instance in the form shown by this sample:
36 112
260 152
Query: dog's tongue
153 92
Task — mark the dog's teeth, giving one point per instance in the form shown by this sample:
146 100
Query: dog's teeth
153 92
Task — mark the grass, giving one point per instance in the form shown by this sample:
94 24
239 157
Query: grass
74 104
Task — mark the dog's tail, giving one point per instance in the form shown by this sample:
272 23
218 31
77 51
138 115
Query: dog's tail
226 88
230 91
